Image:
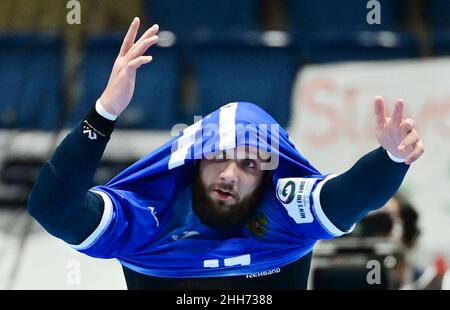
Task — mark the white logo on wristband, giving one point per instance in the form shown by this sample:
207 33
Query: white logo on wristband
91 135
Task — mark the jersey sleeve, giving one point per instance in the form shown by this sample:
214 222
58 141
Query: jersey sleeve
125 226
299 203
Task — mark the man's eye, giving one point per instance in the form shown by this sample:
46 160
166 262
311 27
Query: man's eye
248 163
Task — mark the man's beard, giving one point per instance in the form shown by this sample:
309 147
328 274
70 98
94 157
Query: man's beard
219 215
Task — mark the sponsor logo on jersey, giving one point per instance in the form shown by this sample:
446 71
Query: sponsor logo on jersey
262 273
294 194
287 192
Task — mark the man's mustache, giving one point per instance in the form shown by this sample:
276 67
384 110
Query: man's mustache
225 187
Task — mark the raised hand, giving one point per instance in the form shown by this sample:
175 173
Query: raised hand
396 134
120 88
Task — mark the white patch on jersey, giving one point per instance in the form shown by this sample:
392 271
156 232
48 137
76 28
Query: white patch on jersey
178 156
211 263
294 195
186 234
153 211
227 126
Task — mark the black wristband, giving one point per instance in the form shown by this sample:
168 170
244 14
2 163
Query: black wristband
96 125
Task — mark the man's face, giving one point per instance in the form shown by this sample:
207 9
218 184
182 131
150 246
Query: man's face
228 187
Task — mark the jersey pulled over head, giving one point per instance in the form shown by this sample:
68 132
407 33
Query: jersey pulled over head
237 131
179 213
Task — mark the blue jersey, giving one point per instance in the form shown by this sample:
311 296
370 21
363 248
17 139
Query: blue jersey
148 223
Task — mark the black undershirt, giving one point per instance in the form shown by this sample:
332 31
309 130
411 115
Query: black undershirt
290 277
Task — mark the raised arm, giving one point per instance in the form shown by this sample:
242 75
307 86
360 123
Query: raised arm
60 200
375 177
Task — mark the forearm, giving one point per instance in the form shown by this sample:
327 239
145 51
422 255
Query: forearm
59 200
367 186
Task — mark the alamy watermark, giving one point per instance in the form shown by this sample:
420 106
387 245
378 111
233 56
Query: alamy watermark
73 16
213 140
73 275
373 277
74 12
374 15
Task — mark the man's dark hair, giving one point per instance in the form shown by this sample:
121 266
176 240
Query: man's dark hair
410 218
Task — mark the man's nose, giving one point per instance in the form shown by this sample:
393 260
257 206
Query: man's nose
230 172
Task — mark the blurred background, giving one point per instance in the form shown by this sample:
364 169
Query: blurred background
314 65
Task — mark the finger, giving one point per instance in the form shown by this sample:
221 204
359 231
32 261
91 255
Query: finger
418 151
397 115
409 140
148 34
380 112
408 125
140 49
130 37
136 63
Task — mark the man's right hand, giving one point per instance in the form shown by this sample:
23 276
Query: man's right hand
120 88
